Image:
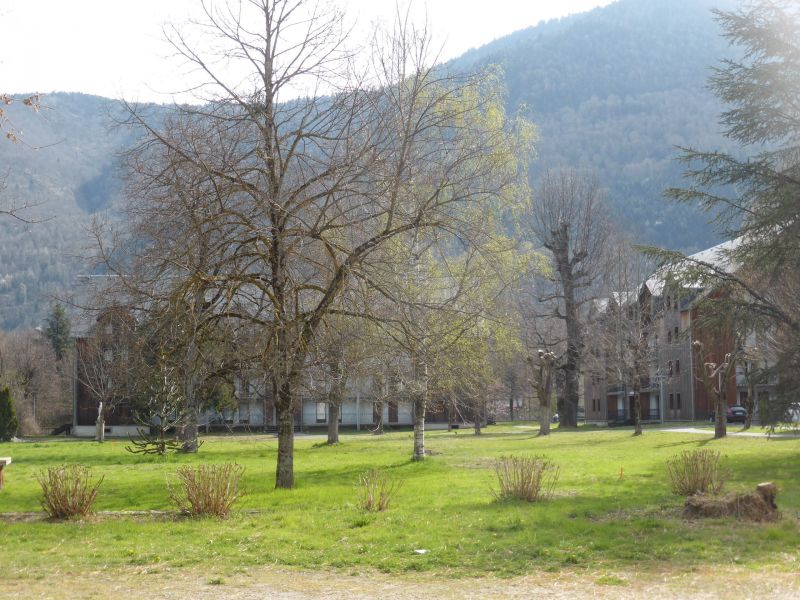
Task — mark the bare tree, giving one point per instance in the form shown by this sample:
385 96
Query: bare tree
715 378
310 189
28 366
11 132
568 219
543 370
627 325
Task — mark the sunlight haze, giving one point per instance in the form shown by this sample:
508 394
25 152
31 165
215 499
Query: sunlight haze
117 49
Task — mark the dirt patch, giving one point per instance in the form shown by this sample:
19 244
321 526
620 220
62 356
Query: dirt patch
281 584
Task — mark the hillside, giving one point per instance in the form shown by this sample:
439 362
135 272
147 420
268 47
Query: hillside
613 90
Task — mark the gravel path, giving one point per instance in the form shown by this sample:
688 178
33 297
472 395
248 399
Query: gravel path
731 433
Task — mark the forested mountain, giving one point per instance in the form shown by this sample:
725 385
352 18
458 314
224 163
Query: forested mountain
613 90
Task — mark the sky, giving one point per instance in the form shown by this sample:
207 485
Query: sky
117 49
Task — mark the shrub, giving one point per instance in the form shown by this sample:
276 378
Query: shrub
208 490
375 490
8 416
696 472
532 479
68 491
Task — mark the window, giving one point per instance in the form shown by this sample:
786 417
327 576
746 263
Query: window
671 401
669 337
678 401
677 366
669 302
677 333
322 412
669 368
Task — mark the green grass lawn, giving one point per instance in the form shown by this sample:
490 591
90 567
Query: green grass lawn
445 505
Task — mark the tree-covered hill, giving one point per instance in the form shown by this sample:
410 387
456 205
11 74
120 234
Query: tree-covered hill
613 90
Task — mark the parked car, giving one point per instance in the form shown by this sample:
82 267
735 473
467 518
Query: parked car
735 414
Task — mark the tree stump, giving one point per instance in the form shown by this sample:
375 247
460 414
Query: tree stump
768 491
758 505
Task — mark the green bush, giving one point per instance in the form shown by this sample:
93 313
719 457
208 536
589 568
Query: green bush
8 416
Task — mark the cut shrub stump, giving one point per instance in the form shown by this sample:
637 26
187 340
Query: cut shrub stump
754 506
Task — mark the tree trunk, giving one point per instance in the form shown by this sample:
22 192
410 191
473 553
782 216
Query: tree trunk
721 422
333 423
571 367
190 429
451 412
478 419
568 416
419 426
637 411
284 475
377 415
750 404
544 391
335 398
100 429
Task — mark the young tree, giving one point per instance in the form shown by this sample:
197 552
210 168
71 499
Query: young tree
8 416
58 331
715 378
567 218
628 325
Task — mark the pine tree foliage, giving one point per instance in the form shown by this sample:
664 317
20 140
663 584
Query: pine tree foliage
8 416
754 200
58 331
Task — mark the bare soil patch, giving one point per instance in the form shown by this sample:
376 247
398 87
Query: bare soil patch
282 584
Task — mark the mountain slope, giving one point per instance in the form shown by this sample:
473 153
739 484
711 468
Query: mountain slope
613 90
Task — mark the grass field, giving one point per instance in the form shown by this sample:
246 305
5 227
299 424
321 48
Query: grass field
596 519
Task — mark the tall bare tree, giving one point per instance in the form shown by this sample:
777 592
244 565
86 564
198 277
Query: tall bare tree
306 191
627 325
568 219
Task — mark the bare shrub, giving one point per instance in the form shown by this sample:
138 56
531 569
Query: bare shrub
529 478
207 490
375 490
696 472
68 491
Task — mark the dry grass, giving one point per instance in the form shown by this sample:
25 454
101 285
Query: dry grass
532 479
207 490
375 490
696 472
68 491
